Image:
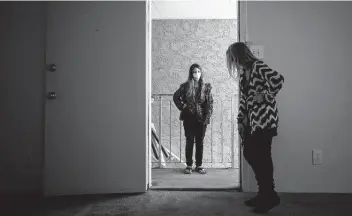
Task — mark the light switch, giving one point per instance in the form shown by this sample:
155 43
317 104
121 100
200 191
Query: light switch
317 156
257 51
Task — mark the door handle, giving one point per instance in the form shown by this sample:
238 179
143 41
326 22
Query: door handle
51 96
51 67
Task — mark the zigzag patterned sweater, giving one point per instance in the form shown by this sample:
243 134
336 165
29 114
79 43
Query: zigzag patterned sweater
260 115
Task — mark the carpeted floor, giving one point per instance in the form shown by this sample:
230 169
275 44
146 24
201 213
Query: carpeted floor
175 203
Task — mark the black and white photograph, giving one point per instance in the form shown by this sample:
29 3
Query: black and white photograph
175 108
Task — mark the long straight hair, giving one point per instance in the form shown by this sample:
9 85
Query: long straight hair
238 56
190 91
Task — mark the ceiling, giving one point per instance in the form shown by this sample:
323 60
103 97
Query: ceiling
194 9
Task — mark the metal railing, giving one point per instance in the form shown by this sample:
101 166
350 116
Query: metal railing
163 155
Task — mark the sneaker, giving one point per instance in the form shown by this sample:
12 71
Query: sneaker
188 170
201 170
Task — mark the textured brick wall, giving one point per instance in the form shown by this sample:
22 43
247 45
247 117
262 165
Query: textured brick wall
176 44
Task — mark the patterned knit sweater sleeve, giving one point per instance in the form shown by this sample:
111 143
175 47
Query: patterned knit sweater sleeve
273 78
241 116
209 102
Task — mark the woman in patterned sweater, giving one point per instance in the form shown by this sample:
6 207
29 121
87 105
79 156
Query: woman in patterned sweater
257 119
195 101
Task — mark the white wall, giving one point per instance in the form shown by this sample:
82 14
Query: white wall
309 43
194 9
22 60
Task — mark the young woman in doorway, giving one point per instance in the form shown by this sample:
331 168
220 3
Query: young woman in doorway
195 101
257 119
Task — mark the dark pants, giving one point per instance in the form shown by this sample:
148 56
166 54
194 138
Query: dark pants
194 131
257 152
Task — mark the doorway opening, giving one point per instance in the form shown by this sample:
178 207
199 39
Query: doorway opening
183 33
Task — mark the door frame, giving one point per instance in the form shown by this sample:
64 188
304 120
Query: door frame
241 160
246 174
240 156
148 21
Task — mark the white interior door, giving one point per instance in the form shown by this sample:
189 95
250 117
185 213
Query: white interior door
96 131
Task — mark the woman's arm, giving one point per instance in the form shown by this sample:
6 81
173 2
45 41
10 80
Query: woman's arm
210 103
272 77
177 97
241 116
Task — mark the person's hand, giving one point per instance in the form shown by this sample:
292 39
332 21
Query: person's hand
206 121
259 97
241 132
240 128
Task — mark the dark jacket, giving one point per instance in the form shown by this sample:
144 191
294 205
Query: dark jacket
260 116
201 107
